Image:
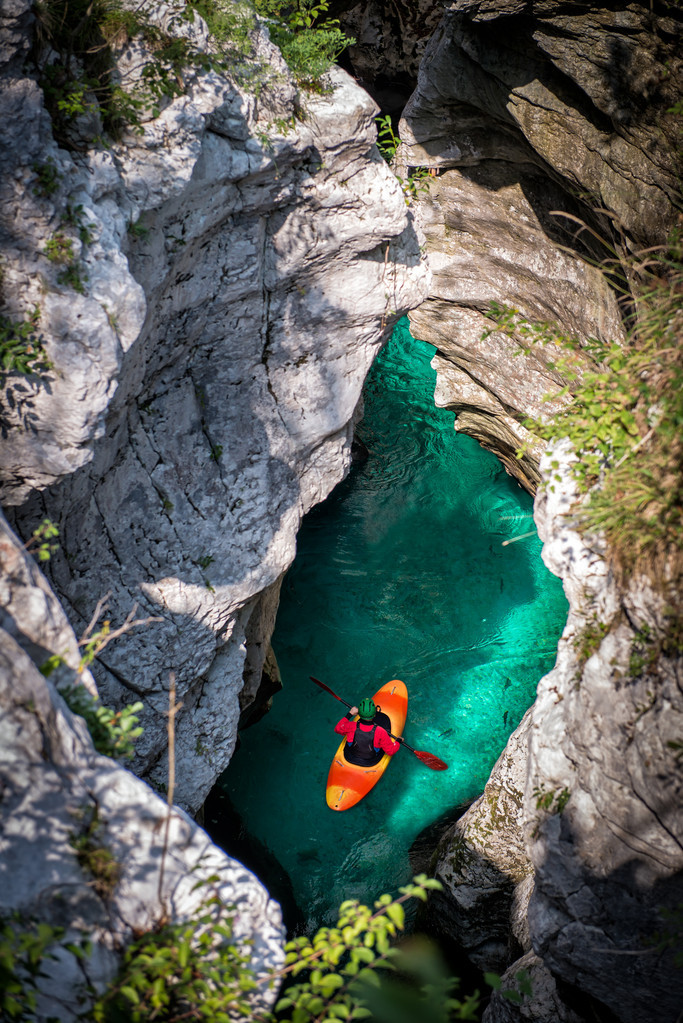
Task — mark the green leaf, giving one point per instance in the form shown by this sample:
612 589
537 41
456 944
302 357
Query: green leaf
360 954
339 1011
493 980
331 983
131 994
396 914
513 996
369 977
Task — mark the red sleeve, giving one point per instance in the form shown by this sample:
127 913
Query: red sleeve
384 741
346 727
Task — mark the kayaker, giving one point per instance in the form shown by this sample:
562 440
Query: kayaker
366 740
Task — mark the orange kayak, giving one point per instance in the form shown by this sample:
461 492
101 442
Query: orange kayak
347 783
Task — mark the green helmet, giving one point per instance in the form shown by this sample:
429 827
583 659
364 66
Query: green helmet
366 709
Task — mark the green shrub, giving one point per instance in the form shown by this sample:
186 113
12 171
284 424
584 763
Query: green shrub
94 858
21 346
76 42
42 543
357 970
197 970
24 946
388 142
624 417
229 23
113 732
194 970
309 42
49 178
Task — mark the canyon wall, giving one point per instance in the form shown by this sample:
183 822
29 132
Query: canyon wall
547 131
237 265
248 254
209 292
86 848
548 128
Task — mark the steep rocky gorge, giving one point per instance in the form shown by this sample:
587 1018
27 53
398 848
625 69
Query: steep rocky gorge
243 270
209 375
233 267
547 126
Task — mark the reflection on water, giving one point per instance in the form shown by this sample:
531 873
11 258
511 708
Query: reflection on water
401 573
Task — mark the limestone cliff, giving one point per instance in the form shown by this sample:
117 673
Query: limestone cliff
574 854
548 127
63 805
208 293
246 257
569 862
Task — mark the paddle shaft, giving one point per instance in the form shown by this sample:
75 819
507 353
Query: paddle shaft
418 753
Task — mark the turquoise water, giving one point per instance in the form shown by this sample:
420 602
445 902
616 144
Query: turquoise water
401 573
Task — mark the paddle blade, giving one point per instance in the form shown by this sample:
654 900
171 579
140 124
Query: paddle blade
429 760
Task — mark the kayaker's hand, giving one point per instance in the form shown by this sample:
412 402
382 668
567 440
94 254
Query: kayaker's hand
353 710
399 738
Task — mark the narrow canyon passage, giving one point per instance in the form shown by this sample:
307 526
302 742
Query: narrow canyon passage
401 573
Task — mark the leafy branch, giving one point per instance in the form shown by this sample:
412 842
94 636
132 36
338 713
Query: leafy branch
93 643
388 143
41 543
342 968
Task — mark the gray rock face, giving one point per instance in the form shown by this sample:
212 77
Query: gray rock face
57 793
535 118
581 93
480 872
246 266
609 866
596 836
543 1006
487 229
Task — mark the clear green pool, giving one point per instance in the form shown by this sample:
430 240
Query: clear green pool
401 573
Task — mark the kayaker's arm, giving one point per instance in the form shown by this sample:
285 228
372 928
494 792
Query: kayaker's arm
346 727
384 742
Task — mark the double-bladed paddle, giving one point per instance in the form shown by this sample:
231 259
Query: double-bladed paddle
428 759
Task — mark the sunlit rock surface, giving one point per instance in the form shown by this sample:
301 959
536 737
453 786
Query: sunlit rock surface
248 259
60 797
